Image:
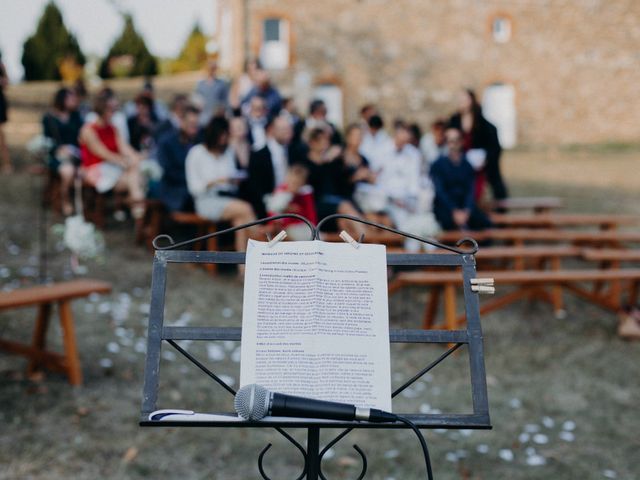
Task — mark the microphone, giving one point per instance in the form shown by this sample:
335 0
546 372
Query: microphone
254 402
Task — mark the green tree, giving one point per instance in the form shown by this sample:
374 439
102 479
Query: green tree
44 51
193 54
129 55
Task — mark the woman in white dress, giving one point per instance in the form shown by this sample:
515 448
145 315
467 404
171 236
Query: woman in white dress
212 180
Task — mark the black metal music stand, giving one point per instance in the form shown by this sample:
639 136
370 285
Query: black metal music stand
471 336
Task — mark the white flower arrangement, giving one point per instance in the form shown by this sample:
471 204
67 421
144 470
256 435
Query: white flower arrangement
81 237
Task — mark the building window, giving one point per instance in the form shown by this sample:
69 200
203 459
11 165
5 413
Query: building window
501 29
274 51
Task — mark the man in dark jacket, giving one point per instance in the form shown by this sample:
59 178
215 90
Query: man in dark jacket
172 154
453 178
268 166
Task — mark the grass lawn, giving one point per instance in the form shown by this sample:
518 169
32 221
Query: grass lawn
563 393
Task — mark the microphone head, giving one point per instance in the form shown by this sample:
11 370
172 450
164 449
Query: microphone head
252 402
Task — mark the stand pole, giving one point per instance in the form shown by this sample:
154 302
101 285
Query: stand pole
313 453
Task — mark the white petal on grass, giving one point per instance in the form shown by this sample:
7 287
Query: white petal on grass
228 380
389 454
140 346
515 403
215 352
569 426
425 408
104 307
531 428
409 393
236 355
466 432
229 345
530 451
608 473
567 436
482 448
540 438
169 355
227 312
144 308
113 347
506 455
524 437
536 461
451 457
548 422
106 363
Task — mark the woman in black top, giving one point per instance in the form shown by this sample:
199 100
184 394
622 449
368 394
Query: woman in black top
5 161
62 126
329 179
478 132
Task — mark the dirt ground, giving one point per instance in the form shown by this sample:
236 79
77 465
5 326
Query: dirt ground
563 393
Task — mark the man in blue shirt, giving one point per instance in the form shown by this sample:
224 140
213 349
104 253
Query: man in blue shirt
453 178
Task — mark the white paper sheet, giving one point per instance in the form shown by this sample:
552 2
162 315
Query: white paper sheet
316 322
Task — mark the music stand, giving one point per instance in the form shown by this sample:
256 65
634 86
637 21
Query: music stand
312 454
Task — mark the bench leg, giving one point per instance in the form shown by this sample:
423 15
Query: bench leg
450 306
39 340
431 308
212 246
72 362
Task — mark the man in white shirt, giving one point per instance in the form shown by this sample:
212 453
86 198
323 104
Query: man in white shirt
375 143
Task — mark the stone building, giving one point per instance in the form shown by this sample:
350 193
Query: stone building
549 71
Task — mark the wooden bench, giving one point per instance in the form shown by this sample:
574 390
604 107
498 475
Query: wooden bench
525 281
536 204
44 297
521 236
562 220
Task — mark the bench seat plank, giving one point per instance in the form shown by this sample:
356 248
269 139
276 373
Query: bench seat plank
55 292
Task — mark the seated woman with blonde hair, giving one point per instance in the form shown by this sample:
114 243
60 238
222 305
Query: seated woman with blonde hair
212 180
108 161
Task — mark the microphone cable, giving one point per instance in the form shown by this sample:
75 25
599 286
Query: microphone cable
423 443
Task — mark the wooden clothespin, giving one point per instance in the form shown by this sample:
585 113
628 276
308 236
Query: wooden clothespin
349 239
281 236
483 285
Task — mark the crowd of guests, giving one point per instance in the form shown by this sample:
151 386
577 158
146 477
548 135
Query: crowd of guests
240 151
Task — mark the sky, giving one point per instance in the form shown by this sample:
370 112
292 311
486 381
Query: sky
164 24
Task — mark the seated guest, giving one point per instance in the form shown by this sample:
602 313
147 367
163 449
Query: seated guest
265 90
239 141
212 180
354 179
453 178
62 126
325 173
257 123
141 124
267 166
433 144
108 162
375 142
172 154
294 196
318 119
400 177
118 118
172 123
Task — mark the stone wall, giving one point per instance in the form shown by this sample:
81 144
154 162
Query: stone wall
574 63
